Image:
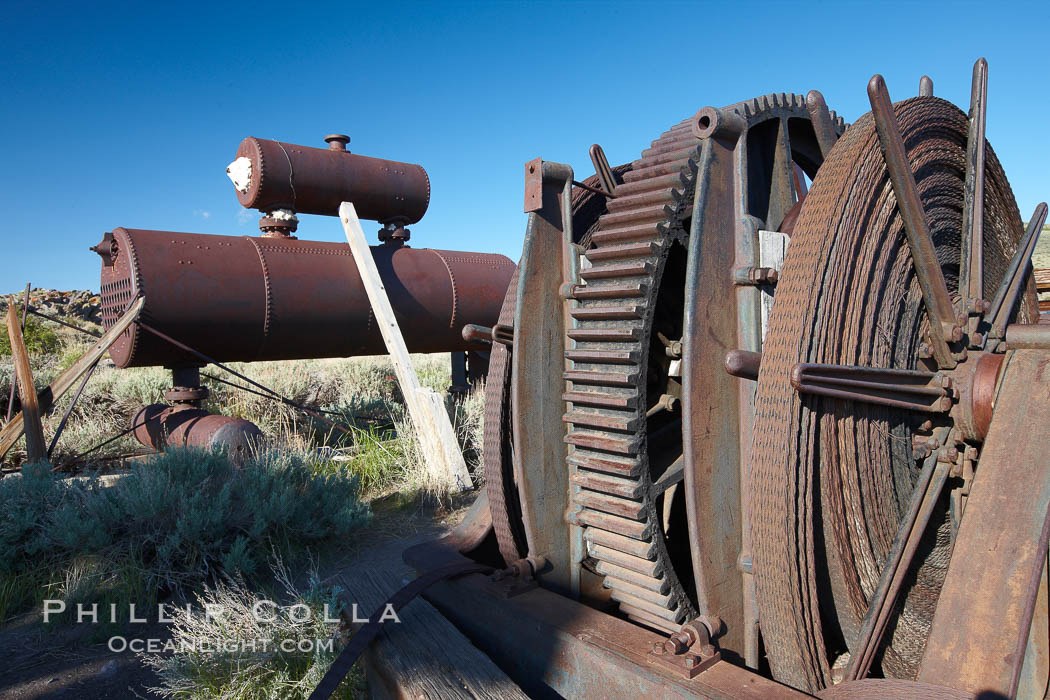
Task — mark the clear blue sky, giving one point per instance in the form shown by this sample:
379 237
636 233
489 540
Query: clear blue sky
126 115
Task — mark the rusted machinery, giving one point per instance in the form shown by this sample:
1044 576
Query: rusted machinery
782 442
275 297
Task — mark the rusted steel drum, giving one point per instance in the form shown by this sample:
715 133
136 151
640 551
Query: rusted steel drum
161 426
247 299
310 180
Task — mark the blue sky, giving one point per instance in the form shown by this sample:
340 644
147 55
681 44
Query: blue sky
127 114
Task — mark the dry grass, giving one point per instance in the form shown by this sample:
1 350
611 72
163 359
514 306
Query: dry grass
361 393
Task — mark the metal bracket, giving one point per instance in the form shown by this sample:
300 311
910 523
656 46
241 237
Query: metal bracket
519 577
688 652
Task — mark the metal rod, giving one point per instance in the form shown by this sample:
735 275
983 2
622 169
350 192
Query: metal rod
820 118
595 190
870 634
924 257
940 478
925 86
60 322
1010 288
971 263
908 389
1025 336
602 169
289 402
276 397
14 380
69 409
743 363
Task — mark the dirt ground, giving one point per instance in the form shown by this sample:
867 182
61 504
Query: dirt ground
73 661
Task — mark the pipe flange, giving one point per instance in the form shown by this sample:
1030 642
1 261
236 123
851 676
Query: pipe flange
273 227
186 394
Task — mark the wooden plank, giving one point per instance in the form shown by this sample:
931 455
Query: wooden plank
772 249
1042 280
35 446
47 397
984 612
440 447
423 656
14 382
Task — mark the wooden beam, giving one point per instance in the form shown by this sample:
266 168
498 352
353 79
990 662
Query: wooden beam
47 397
35 446
427 409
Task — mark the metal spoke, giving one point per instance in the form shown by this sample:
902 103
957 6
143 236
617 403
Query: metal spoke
602 170
926 86
820 117
1010 288
899 388
924 497
924 257
971 263
782 179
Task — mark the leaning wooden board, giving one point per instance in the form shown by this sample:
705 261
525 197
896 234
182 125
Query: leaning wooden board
47 396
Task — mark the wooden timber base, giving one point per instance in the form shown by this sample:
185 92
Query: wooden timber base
423 656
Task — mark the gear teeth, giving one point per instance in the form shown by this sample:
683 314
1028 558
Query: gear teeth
603 442
628 527
663 600
648 620
609 464
623 507
652 583
614 485
606 413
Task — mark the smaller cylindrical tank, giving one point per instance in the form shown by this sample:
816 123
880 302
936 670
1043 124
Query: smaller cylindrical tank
273 175
161 426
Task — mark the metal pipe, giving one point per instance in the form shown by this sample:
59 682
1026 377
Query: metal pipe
247 299
160 426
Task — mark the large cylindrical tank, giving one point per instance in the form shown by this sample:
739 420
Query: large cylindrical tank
246 298
310 180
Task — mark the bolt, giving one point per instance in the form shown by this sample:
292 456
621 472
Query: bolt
957 334
933 443
658 648
925 351
946 381
691 661
977 339
925 426
707 650
674 645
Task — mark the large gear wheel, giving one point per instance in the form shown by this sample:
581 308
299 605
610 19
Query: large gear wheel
624 386
836 463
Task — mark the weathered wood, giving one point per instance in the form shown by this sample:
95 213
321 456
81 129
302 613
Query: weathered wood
423 656
772 249
14 381
47 397
35 446
444 458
